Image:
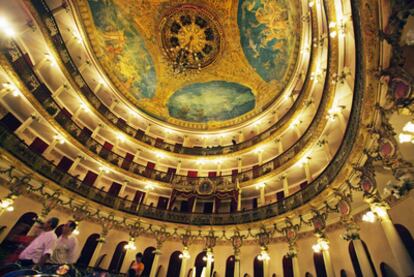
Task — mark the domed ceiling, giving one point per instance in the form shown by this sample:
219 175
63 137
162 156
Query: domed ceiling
213 63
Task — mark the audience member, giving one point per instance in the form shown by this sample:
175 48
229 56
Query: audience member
66 245
41 248
137 267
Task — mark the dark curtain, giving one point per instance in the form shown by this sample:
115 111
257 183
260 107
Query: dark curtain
174 264
38 146
287 266
148 259
64 164
118 257
319 264
11 122
406 238
258 270
88 250
230 264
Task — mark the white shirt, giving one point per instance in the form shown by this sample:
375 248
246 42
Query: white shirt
65 250
43 244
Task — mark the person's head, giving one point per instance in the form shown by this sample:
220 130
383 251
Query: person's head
69 227
50 224
138 257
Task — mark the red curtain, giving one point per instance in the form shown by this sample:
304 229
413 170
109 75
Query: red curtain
90 178
127 161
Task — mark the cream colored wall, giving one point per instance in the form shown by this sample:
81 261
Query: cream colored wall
371 233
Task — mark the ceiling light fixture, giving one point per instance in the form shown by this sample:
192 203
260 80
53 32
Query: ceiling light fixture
6 27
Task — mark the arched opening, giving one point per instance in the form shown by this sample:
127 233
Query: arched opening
342 273
148 259
287 266
200 263
118 257
258 270
174 265
354 259
88 250
387 271
230 264
406 238
17 239
319 264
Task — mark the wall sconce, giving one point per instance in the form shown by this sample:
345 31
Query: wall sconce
378 211
185 255
263 256
408 133
6 27
7 204
321 245
131 244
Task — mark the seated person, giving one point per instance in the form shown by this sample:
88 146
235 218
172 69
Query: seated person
137 267
66 245
41 248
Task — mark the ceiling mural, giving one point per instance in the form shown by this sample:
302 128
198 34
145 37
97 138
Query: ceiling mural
125 47
212 101
155 52
267 36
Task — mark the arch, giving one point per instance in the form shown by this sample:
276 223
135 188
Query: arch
199 263
174 265
387 271
230 264
287 266
308 274
319 264
88 250
16 239
148 259
406 238
342 273
258 270
22 225
354 259
118 257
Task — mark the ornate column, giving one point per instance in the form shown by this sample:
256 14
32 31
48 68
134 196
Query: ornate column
352 234
322 245
186 239
263 239
107 224
290 231
237 241
210 243
161 236
135 230
399 251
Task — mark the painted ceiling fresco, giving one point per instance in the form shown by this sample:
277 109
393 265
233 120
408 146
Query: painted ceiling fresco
256 40
123 45
224 101
267 36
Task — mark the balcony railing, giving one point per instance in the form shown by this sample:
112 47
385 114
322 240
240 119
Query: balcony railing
44 96
11 143
47 17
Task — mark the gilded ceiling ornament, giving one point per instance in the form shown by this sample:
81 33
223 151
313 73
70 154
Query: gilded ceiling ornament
190 37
